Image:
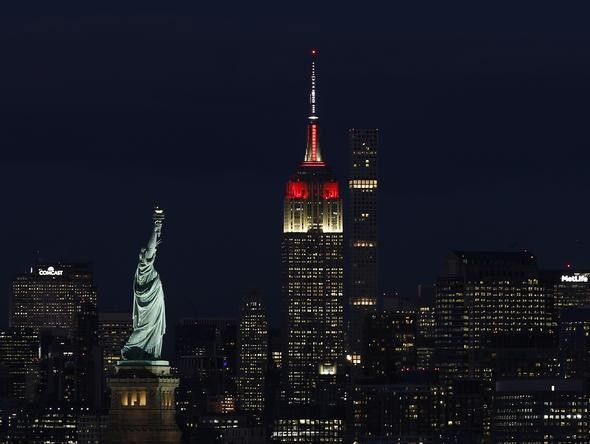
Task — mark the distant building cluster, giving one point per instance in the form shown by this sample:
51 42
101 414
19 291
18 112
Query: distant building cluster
495 350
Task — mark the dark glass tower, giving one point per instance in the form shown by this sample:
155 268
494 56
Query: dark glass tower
312 275
362 219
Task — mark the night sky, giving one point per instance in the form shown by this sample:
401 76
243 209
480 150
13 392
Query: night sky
483 111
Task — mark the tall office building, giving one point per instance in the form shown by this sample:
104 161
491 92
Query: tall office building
88 359
486 296
312 273
425 327
574 342
19 359
571 288
113 331
51 295
390 347
57 369
206 352
362 223
541 410
252 356
405 412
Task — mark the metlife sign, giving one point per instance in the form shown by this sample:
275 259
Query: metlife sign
574 278
50 271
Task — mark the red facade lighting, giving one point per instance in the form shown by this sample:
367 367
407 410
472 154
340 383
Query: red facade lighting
313 141
297 190
331 191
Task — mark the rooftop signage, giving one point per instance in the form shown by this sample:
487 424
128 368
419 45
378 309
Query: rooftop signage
574 278
50 271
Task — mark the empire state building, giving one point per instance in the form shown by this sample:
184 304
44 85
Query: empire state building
312 274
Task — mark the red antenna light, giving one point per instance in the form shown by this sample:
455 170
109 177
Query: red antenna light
314 51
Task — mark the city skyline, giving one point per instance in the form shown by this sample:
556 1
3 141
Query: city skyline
407 264
496 160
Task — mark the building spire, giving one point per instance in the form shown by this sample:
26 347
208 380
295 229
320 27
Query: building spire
313 156
312 94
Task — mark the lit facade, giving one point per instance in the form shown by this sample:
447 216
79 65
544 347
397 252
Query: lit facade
91 429
571 288
574 342
397 413
19 359
488 295
540 411
206 351
51 295
508 356
390 347
362 223
466 410
38 425
113 331
450 356
308 430
57 369
252 356
425 327
312 274
143 407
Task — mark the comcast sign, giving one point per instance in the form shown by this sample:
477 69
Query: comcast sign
50 271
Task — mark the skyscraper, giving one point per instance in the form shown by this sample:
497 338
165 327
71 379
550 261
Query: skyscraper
206 355
390 344
574 342
113 331
88 359
571 288
19 356
541 410
252 356
51 295
362 219
425 327
312 271
487 296
406 412
57 368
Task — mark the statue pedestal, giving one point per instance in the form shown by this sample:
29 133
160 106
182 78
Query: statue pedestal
142 404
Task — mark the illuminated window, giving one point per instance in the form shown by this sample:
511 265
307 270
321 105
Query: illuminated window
367 184
134 398
167 399
327 369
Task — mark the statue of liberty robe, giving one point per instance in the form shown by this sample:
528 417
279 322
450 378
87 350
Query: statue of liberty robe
149 314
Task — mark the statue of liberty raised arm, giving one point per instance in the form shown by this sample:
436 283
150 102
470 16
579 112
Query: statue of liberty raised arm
149 314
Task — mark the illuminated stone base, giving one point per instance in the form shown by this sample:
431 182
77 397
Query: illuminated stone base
142 404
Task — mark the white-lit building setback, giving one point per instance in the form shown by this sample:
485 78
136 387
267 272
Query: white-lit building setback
252 356
312 275
362 220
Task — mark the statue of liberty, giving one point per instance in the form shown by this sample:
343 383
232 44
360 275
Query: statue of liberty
149 314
